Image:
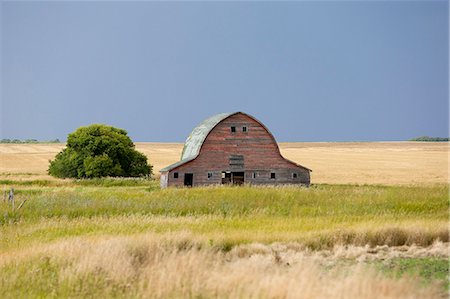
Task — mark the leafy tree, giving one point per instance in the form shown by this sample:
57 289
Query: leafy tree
99 151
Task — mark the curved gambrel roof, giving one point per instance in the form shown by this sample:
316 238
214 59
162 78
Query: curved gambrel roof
198 135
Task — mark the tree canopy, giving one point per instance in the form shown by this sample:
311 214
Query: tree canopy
98 151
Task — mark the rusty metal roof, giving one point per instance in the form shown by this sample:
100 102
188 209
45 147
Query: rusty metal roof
198 135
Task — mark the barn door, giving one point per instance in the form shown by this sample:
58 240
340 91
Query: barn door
188 179
226 177
237 178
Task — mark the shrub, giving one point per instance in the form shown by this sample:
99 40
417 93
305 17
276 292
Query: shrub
99 151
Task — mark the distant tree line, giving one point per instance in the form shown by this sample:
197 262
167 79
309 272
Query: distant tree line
428 138
28 141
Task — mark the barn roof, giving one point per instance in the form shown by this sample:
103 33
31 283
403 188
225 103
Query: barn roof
195 140
174 165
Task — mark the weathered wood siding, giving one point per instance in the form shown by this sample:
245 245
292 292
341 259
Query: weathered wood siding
222 151
164 180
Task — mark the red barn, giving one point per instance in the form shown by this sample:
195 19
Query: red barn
232 148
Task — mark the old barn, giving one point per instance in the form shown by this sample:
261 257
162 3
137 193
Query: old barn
232 148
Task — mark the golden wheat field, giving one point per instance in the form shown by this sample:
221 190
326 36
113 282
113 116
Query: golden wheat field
387 163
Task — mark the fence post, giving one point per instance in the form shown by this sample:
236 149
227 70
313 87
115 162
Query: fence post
21 204
11 197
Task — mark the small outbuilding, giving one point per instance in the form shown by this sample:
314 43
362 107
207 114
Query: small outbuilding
232 148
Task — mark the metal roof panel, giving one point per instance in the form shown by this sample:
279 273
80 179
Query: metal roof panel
198 135
174 165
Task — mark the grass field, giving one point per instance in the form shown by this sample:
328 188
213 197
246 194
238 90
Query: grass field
127 238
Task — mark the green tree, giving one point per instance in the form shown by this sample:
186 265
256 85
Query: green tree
99 151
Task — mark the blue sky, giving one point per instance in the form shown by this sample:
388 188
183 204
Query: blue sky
311 71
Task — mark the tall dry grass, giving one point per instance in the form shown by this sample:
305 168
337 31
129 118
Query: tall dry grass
178 266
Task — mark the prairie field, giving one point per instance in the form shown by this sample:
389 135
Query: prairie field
374 224
387 163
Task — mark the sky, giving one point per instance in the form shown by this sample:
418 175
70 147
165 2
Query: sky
310 71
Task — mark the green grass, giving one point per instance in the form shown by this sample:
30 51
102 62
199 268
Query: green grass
41 278
339 202
428 269
100 182
320 216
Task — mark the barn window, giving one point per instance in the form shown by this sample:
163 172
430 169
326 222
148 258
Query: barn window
254 175
244 129
233 129
272 175
175 175
294 175
210 174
